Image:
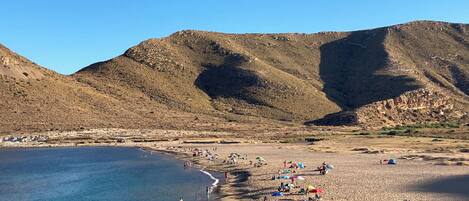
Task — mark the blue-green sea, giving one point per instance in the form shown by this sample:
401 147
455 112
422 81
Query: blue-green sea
97 173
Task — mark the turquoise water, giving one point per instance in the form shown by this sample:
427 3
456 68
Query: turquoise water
97 173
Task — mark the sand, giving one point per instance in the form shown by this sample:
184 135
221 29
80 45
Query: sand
357 175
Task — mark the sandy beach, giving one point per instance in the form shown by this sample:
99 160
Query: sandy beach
420 173
355 177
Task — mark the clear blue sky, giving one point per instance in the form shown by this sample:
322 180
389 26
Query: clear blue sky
67 35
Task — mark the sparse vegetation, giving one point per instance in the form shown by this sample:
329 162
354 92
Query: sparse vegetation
214 81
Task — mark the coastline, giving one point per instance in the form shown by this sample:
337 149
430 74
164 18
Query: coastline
355 171
215 185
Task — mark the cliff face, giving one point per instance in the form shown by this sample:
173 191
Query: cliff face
419 106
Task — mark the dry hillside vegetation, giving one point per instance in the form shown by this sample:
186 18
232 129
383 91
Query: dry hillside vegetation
403 74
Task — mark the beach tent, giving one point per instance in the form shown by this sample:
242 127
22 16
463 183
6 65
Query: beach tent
275 194
392 162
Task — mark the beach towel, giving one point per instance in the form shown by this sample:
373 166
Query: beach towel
285 177
317 190
275 194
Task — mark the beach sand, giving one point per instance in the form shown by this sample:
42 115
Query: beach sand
357 175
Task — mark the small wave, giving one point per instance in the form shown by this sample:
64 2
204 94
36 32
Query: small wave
215 180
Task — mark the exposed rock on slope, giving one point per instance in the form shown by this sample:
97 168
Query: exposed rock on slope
418 106
408 73
15 66
293 76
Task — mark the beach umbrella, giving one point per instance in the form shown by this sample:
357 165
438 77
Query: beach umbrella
301 165
311 187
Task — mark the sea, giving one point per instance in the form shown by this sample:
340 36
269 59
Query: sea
101 174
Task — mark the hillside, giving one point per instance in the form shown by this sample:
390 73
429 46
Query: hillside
402 74
294 77
34 98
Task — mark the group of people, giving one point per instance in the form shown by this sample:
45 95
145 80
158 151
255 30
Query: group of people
295 167
324 168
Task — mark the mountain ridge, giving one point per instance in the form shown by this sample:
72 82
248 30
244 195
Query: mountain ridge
290 77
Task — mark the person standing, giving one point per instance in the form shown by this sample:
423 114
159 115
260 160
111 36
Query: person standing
208 192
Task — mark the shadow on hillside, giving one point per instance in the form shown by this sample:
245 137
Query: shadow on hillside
462 80
228 80
349 69
454 185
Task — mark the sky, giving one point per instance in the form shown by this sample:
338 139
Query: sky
66 36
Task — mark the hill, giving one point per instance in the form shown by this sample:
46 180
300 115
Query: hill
402 74
36 99
298 77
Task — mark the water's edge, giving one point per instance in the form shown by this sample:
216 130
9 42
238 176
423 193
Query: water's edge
175 155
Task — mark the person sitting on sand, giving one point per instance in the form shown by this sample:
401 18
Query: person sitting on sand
281 187
302 191
317 197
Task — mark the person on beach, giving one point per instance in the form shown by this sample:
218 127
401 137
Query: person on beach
209 190
226 175
293 179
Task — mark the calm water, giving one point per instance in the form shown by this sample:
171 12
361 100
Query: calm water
96 173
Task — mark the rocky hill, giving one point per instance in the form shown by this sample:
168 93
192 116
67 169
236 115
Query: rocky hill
407 73
34 99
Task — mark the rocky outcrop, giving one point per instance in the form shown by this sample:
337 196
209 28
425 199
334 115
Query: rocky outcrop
18 67
422 105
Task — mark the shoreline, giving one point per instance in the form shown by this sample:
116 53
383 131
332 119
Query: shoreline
361 168
214 187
